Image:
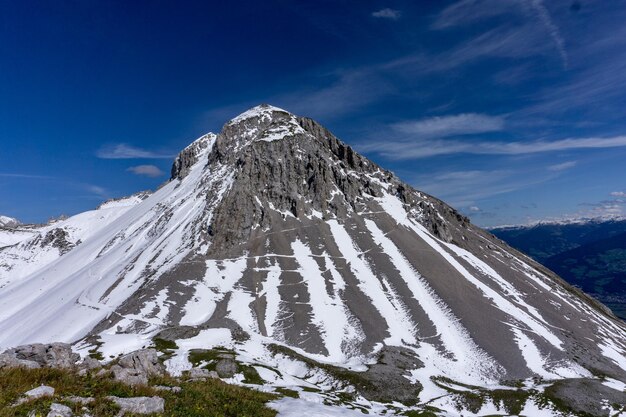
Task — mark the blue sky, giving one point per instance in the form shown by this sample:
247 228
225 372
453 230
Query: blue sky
511 111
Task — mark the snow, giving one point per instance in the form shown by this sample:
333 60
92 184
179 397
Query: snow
89 282
399 324
260 111
273 301
469 359
295 407
611 351
614 384
330 314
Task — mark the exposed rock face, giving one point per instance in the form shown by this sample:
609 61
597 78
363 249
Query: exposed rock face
189 156
136 367
57 238
54 355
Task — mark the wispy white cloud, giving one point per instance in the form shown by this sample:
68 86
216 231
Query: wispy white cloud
467 188
97 190
470 11
418 148
618 194
551 27
124 151
26 176
388 13
562 166
444 126
152 171
467 12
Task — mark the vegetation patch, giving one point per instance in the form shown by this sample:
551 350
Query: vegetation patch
287 392
211 398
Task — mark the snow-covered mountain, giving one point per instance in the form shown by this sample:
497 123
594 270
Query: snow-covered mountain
8 222
322 270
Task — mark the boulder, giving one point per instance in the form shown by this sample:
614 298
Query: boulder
90 363
9 361
139 405
136 367
35 393
226 368
59 410
53 355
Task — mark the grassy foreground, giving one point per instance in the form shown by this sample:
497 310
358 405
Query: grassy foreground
197 398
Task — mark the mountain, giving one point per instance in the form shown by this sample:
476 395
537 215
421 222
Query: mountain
8 222
598 268
588 254
543 240
323 273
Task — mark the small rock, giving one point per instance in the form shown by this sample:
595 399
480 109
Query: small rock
42 391
170 389
226 368
79 400
35 393
139 405
59 410
202 373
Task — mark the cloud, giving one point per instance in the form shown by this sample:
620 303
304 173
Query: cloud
152 171
124 151
618 194
471 11
388 13
465 188
97 190
461 124
404 149
26 176
553 30
467 12
562 166
474 208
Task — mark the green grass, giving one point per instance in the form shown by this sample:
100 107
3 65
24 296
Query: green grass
287 392
210 398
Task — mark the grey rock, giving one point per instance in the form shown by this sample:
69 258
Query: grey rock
39 392
226 368
90 363
195 373
136 367
59 410
170 389
79 400
35 393
582 395
54 355
139 405
10 361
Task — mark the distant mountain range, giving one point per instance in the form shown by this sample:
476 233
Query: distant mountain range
589 254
